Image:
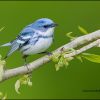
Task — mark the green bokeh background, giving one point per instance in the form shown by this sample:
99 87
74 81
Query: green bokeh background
47 83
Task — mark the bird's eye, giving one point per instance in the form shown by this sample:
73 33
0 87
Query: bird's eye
46 26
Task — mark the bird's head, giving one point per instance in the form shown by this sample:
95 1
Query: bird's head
44 24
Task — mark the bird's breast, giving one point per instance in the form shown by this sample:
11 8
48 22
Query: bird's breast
40 46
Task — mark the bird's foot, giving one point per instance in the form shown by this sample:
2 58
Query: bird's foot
29 72
48 53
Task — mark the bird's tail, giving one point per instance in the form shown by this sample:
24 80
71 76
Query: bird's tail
14 46
6 44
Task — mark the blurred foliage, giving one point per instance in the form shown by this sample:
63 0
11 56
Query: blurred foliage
3 96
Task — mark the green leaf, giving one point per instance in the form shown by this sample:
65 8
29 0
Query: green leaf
69 58
57 66
17 86
66 63
62 62
69 34
55 57
82 30
79 58
91 57
24 80
1 94
29 83
1 29
4 97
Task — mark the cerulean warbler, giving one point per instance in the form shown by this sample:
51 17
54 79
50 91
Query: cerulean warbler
34 38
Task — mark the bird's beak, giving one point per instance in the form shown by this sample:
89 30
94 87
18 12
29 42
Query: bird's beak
54 25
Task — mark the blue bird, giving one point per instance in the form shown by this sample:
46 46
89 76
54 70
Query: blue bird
34 38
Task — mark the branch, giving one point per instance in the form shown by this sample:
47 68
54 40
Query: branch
92 38
76 52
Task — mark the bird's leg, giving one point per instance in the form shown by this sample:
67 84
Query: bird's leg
25 61
46 52
25 58
26 65
5 58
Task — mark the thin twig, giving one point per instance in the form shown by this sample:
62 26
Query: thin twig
81 50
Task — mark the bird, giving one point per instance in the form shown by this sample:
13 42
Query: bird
35 38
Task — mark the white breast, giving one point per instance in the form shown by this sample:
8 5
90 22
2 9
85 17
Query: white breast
42 45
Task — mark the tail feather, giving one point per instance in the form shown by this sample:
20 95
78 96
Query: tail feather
14 47
7 44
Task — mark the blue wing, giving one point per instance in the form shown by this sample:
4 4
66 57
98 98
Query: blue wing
25 35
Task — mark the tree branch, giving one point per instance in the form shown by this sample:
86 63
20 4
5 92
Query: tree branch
76 52
92 39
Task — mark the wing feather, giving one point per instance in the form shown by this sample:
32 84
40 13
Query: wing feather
22 39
